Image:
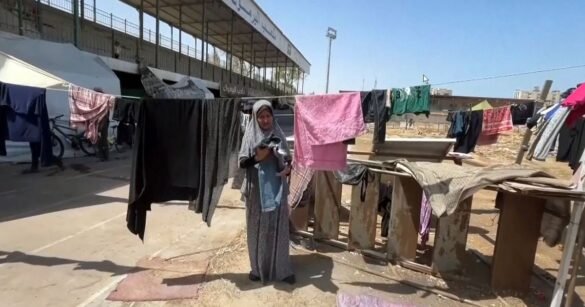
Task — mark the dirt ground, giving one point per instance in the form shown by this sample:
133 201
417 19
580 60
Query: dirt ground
63 242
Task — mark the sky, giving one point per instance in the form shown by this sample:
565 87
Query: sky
392 43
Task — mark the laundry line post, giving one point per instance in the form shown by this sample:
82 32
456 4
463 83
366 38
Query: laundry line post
570 242
528 134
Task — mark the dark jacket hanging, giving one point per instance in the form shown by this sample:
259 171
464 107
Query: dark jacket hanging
27 119
375 111
180 153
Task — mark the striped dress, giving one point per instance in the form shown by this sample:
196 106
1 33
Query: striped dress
268 234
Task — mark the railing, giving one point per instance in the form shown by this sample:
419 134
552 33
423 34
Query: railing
122 25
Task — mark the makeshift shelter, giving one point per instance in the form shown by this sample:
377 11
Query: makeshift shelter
54 68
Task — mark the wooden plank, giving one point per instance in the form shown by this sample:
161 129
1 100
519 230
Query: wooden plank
299 216
363 215
404 219
451 240
516 241
327 202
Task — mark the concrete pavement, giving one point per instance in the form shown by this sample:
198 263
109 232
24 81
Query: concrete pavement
63 239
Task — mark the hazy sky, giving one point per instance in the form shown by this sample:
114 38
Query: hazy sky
396 41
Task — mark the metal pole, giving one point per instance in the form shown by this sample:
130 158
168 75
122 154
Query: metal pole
242 63
38 18
252 55
113 34
231 37
76 23
140 30
180 29
285 75
328 66
265 54
95 10
157 34
82 13
20 22
188 60
173 49
298 79
202 39
303 86
206 43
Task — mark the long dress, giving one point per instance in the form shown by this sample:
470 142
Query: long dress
268 234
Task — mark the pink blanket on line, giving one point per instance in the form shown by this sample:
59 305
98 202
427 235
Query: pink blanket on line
322 123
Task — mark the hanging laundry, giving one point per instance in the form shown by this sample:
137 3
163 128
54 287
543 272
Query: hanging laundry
414 99
572 144
3 130
25 119
180 153
466 129
521 112
550 133
376 109
125 114
425 220
88 109
575 101
495 121
300 178
319 139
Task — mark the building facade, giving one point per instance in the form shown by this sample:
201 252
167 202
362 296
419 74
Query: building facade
441 92
534 94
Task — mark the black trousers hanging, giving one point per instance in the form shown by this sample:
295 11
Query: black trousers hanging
102 144
35 150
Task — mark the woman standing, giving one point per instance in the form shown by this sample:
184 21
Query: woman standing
266 158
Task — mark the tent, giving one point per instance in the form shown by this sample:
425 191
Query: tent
484 105
53 66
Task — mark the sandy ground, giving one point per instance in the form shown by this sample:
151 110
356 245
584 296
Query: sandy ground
63 242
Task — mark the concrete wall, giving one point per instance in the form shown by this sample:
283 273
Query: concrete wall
58 26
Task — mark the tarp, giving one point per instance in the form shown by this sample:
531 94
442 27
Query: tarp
185 88
40 63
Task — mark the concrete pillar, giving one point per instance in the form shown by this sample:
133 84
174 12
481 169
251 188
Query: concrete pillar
20 22
75 23
202 39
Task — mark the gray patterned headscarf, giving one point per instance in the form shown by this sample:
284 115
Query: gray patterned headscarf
254 134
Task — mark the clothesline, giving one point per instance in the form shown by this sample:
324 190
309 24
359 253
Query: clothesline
67 90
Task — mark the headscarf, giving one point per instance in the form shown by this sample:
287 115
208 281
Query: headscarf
254 134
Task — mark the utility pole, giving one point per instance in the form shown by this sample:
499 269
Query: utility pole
332 34
528 133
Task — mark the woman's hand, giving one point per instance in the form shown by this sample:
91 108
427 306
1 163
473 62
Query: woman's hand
285 172
262 154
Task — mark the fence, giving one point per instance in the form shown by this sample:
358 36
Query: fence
121 27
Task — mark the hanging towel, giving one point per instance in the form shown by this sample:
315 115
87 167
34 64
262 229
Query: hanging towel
322 123
576 101
496 121
414 99
88 108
